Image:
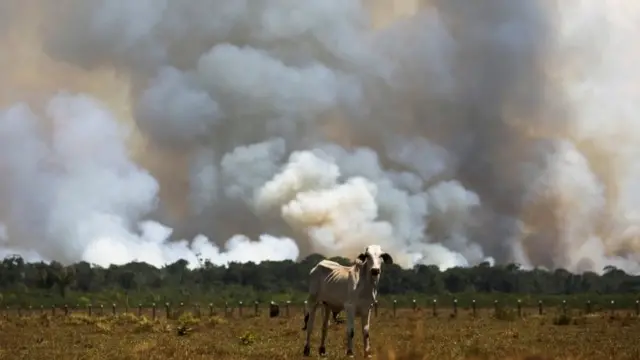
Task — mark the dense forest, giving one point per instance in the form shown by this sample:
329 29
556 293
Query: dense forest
23 283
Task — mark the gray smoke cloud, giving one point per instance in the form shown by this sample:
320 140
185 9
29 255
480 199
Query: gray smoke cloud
451 132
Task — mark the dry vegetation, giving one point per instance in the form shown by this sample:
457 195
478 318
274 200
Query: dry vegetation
411 335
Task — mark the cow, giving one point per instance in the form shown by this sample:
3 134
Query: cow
352 288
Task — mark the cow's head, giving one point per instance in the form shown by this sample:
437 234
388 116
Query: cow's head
372 257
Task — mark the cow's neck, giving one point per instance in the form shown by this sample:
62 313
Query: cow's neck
368 288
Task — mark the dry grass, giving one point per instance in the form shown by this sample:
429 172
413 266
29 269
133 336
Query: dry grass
411 335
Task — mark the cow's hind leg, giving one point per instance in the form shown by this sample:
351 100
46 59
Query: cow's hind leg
309 326
307 305
325 327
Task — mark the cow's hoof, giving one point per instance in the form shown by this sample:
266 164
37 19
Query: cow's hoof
307 350
350 353
322 351
367 355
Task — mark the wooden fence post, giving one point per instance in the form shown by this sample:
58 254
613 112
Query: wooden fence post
455 307
256 306
89 310
153 311
139 310
53 310
240 308
66 310
564 307
210 309
288 304
474 308
588 307
637 307
519 308
101 309
113 309
539 307
495 307
395 304
226 309
167 310
613 307
434 308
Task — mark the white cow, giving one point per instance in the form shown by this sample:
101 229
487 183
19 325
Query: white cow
352 288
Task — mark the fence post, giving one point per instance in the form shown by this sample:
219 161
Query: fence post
210 309
395 304
637 307
495 306
474 308
455 307
588 307
89 310
101 309
519 308
288 304
167 310
240 308
226 309
30 310
564 307
19 310
434 307
41 309
256 306
113 309
539 307
414 305
613 307
126 306
139 310
53 310
153 311
66 310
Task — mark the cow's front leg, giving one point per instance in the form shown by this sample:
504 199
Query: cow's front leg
366 320
351 314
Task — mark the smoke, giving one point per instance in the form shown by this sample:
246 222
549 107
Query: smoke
450 132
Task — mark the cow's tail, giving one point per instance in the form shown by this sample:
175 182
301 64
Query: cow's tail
312 297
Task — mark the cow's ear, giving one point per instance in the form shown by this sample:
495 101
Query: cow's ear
362 257
387 258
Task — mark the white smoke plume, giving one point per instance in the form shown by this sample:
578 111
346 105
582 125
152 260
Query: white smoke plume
451 132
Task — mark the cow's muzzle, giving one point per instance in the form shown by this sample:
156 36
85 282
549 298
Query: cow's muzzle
375 272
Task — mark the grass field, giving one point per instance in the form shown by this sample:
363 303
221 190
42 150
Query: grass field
409 335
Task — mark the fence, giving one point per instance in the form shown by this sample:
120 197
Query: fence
169 311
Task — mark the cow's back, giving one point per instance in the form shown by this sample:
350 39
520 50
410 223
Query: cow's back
329 283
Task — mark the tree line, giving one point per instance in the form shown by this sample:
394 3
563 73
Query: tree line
54 283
